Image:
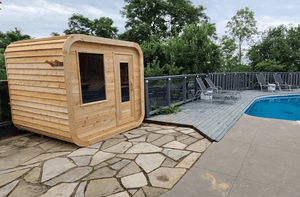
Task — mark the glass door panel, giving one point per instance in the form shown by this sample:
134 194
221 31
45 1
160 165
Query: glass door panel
124 82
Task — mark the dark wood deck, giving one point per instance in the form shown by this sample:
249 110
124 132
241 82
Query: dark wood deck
214 118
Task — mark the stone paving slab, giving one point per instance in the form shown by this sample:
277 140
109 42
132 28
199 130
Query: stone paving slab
143 162
212 118
237 166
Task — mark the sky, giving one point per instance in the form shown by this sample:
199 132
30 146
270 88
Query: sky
38 18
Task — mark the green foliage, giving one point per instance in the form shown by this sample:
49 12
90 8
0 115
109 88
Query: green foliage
153 51
11 36
278 48
102 27
241 27
2 65
182 13
92 171
54 34
242 68
148 180
194 50
269 66
172 109
229 61
158 17
154 69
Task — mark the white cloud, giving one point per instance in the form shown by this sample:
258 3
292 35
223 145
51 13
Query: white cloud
34 10
39 18
265 22
97 13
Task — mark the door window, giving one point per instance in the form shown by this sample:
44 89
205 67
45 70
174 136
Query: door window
124 81
92 77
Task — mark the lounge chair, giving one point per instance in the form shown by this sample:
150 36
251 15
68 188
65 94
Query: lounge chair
261 81
190 89
209 92
218 89
282 84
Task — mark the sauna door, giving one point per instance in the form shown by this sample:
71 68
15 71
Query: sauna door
124 88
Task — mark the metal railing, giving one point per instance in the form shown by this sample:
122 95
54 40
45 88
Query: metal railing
179 89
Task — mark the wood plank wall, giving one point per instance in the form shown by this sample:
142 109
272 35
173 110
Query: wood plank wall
37 89
97 121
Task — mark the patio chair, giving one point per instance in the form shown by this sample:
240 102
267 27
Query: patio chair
219 89
209 92
261 81
190 89
279 82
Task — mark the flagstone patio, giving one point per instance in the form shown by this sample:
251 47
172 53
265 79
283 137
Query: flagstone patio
146 161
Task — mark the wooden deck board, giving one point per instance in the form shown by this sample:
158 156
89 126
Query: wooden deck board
214 118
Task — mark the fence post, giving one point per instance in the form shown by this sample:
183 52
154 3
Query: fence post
168 91
245 81
196 84
184 89
235 82
223 82
147 103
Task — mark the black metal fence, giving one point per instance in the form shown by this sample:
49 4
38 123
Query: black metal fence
179 89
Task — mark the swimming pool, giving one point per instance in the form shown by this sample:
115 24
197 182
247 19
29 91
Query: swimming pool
285 107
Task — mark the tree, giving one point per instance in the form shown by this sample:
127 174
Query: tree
229 60
241 27
2 65
144 17
0 3
194 50
12 36
269 66
54 34
181 13
102 27
163 18
278 50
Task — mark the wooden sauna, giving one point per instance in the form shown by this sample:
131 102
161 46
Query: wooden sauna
77 88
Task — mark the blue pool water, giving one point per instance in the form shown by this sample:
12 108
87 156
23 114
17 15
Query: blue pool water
277 107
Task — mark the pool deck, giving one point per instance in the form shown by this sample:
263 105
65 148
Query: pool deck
211 118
